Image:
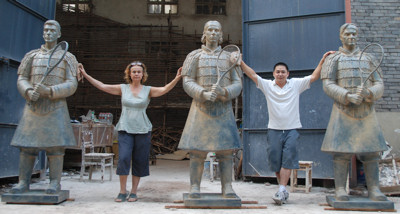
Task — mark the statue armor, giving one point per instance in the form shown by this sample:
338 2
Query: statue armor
49 114
210 126
347 128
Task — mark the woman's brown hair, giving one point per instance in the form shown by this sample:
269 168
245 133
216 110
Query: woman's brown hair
127 76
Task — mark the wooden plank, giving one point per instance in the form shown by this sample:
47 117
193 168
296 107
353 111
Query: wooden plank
368 210
207 207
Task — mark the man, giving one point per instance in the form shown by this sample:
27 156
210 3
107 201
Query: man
353 127
282 95
45 123
210 126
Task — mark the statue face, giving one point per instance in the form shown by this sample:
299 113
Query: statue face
50 33
213 33
349 37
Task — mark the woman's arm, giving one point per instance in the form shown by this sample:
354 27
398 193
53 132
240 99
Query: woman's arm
111 89
159 91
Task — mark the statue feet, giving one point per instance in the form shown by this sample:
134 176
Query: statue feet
341 194
20 188
53 188
194 192
375 194
227 191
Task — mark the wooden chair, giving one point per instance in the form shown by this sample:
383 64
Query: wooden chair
303 166
91 158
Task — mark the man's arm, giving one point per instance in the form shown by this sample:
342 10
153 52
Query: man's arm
249 72
317 72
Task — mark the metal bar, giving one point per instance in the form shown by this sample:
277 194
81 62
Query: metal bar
29 10
266 129
8 125
260 21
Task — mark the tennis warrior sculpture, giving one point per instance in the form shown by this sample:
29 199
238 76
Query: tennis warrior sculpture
353 127
210 126
45 123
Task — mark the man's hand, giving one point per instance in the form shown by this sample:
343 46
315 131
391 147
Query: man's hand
354 98
42 90
33 95
235 56
210 95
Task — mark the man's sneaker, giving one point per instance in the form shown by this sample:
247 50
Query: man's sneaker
280 197
286 193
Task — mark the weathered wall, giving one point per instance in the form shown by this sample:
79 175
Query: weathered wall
134 12
390 124
379 21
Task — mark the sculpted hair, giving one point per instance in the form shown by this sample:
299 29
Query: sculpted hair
345 26
203 38
55 23
127 72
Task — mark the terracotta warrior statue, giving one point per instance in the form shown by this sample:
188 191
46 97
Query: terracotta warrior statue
353 127
210 126
45 123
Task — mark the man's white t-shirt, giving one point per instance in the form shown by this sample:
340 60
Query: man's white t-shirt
283 103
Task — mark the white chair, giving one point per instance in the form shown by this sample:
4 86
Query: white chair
91 158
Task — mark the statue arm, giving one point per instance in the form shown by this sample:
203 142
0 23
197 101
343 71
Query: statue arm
24 70
69 86
377 88
235 88
189 71
329 80
193 89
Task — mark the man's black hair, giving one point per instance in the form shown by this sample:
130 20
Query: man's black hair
283 64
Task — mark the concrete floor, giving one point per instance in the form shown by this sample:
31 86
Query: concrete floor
167 182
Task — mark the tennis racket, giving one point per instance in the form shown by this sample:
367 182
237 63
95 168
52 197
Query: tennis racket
56 56
371 53
227 59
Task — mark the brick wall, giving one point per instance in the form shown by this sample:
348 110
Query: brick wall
379 21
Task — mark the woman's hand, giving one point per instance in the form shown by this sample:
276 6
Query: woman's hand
179 73
81 72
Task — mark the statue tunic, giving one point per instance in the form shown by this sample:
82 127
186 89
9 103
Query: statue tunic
352 128
46 122
210 126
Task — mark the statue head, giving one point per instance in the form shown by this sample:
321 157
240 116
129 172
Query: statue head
348 35
51 31
134 66
212 32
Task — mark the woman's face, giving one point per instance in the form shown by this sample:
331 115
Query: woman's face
136 73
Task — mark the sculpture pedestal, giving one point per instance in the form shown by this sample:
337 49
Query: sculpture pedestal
211 200
38 196
360 203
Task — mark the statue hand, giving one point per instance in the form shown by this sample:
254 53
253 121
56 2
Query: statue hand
364 92
354 98
33 95
210 95
42 89
218 90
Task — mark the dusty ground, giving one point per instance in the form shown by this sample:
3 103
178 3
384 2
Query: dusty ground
168 180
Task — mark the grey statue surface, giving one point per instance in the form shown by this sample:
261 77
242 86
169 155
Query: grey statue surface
45 123
353 127
210 126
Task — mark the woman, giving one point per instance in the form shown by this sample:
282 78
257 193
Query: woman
134 127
